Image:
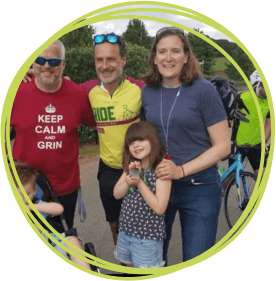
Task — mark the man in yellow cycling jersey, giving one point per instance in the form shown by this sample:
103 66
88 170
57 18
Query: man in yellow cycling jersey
116 104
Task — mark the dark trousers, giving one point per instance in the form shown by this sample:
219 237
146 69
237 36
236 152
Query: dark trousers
69 204
108 177
198 201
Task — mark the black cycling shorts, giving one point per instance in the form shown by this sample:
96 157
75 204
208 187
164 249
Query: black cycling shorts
108 178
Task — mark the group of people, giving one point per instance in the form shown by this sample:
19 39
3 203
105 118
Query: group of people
147 170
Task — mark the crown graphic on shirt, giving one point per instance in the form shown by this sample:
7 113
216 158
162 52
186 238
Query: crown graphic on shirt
50 109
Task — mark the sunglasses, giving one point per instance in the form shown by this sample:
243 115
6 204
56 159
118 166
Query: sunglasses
170 28
175 30
110 38
52 61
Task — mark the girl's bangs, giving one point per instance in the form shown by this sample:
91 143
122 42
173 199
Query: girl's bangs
135 133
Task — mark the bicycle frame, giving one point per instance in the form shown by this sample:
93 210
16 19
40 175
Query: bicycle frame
237 166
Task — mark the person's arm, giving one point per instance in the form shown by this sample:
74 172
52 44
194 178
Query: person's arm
75 240
50 208
158 202
88 118
28 76
121 187
267 129
220 148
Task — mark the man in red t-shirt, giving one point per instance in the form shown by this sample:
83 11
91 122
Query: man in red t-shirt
88 86
46 114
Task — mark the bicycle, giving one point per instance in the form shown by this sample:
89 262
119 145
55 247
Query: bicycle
240 188
238 191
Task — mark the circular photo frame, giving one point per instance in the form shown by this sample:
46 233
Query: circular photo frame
165 15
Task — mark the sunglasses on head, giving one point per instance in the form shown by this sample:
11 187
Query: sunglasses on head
170 28
175 30
110 38
52 61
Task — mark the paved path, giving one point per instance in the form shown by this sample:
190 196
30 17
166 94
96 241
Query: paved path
95 229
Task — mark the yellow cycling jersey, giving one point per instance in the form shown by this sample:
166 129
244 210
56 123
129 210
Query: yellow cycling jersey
250 133
114 114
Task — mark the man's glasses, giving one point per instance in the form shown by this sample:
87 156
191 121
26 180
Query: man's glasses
52 61
110 38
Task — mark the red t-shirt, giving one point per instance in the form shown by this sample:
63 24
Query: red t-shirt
46 131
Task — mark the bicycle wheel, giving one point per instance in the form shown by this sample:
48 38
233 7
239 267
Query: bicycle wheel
232 210
89 248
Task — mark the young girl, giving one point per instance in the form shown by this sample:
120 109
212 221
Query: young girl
141 221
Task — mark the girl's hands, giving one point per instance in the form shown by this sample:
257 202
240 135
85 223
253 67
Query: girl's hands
168 170
135 165
133 180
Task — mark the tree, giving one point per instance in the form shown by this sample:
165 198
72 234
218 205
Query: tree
136 33
79 64
244 63
79 54
203 51
226 45
78 37
137 57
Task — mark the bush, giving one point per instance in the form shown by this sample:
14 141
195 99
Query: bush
243 61
87 134
79 64
137 57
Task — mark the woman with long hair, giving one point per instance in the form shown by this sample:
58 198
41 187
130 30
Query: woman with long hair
189 115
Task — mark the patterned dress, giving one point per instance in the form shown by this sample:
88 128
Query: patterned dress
136 217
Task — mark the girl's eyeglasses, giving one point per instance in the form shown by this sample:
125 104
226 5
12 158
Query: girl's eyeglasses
52 61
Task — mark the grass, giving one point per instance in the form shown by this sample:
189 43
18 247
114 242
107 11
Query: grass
90 151
220 64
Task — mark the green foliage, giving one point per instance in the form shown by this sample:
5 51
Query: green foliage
79 37
79 64
208 77
243 61
226 45
136 33
87 134
136 60
220 64
203 51
79 54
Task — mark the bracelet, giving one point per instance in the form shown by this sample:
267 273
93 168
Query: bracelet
182 171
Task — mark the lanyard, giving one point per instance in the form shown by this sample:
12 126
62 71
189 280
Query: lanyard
166 132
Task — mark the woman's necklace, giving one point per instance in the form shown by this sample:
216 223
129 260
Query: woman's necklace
166 132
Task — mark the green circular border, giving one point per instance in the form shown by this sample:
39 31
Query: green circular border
119 14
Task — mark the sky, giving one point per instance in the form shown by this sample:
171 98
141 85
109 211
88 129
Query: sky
120 26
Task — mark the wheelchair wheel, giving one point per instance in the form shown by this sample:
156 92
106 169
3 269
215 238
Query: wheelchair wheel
89 248
232 210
